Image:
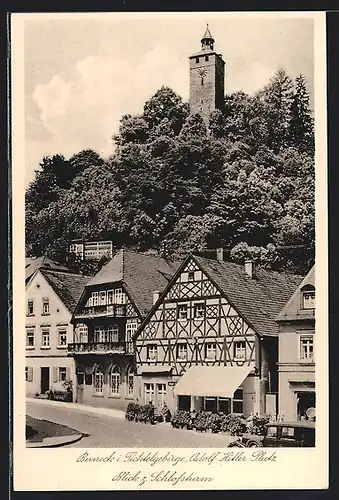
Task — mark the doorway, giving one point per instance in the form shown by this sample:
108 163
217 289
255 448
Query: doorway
184 403
305 400
44 380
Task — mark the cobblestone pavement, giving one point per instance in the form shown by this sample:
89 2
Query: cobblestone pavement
107 432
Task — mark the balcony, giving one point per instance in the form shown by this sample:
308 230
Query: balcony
116 310
100 348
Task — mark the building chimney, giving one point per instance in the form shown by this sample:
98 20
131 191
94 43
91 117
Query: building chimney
220 254
249 268
156 295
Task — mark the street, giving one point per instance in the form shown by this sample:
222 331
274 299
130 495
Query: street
106 432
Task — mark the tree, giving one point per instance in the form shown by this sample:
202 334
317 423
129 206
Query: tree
165 103
301 124
277 99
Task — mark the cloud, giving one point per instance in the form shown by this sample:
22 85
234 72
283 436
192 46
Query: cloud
85 112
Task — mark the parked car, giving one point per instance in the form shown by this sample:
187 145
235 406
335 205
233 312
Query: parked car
280 435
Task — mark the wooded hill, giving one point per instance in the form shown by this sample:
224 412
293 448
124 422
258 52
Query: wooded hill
246 185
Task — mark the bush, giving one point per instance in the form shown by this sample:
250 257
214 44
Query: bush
233 423
258 424
142 413
132 411
181 418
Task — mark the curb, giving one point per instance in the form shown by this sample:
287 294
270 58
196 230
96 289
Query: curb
55 442
108 412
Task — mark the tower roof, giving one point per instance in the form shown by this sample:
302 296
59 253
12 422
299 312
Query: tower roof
207 34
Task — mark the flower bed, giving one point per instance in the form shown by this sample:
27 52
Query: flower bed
181 419
142 413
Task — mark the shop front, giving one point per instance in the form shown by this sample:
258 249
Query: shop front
224 389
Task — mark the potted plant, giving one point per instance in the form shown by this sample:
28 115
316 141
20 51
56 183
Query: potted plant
68 386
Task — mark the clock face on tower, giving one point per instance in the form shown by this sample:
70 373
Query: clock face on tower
202 72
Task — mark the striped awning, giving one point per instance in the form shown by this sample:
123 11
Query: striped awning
213 381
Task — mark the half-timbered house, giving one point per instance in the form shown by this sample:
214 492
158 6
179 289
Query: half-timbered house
211 340
112 306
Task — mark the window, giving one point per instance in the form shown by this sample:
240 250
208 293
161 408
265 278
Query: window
113 333
29 338
161 394
106 334
95 298
238 401
30 308
308 297
240 349
118 296
191 276
211 351
62 374
131 328
199 310
62 338
102 298
115 381
197 60
206 58
45 338
149 393
98 381
110 295
152 352
81 332
130 382
182 311
45 306
306 347
29 374
182 352
272 432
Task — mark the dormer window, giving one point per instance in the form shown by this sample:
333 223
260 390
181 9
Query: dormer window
308 297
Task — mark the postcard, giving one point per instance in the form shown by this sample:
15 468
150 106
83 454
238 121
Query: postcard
169 189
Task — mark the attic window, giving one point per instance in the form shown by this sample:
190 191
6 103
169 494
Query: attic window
197 60
308 297
206 58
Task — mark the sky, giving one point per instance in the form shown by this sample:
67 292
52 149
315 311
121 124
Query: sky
81 74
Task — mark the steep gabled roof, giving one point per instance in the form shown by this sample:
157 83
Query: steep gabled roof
110 272
68 286
292 310
258 299
141 273
34 263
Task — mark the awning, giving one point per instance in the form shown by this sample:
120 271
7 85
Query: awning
154 369
212 380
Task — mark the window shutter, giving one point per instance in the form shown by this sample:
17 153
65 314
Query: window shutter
55 374
68 373
30 374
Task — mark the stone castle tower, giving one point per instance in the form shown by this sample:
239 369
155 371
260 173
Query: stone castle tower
207 75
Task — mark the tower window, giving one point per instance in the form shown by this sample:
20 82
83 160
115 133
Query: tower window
206 58
197 59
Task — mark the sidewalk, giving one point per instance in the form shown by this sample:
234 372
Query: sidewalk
109 412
